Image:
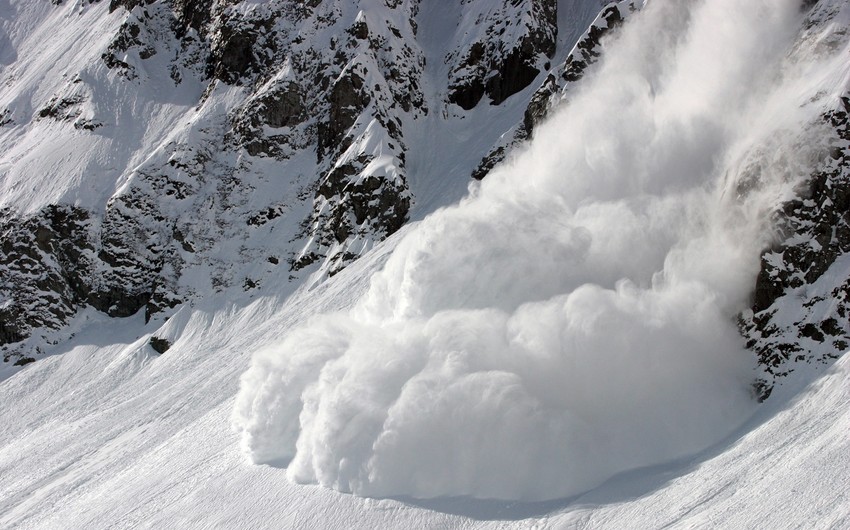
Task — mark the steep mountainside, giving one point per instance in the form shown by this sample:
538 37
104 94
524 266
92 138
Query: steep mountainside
303 134
800 313
158 151
460 264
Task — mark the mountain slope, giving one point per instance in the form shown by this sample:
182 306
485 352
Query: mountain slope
574 316
304 134
193 189
145 441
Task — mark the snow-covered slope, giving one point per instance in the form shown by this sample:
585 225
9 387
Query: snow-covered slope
111 435
195 191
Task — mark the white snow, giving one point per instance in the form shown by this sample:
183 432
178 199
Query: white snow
565 333
76 166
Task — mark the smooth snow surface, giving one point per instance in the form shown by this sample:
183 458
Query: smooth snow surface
573 318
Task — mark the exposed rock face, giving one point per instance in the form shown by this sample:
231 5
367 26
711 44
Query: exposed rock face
126 4
587 50
343 98
152 28
516 46
64 258
193 14
347 100
801 303
232 54
558 82
44 264
160 345
352 207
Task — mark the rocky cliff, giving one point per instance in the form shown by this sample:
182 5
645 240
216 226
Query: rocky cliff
209 146
800 313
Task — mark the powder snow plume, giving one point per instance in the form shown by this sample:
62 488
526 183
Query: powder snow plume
574 316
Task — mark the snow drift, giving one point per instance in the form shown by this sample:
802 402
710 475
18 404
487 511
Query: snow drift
574 317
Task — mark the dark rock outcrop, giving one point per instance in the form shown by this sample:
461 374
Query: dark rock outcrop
64 258
587 50
127 4
45 263
816 230
160 345
356 206
193 14
558 83
500 65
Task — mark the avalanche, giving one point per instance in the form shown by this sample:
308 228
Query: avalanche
557 347
574 317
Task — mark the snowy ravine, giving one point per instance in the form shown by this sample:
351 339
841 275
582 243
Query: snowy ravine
239 289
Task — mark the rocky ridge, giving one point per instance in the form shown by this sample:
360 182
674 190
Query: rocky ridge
559 81
801 300
801 304
292 159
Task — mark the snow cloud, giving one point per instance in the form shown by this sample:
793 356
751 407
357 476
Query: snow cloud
574 316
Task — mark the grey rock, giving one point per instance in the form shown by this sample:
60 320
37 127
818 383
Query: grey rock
159 344
817 229
501 68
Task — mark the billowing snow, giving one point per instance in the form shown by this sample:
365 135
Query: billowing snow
574 317
110 435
